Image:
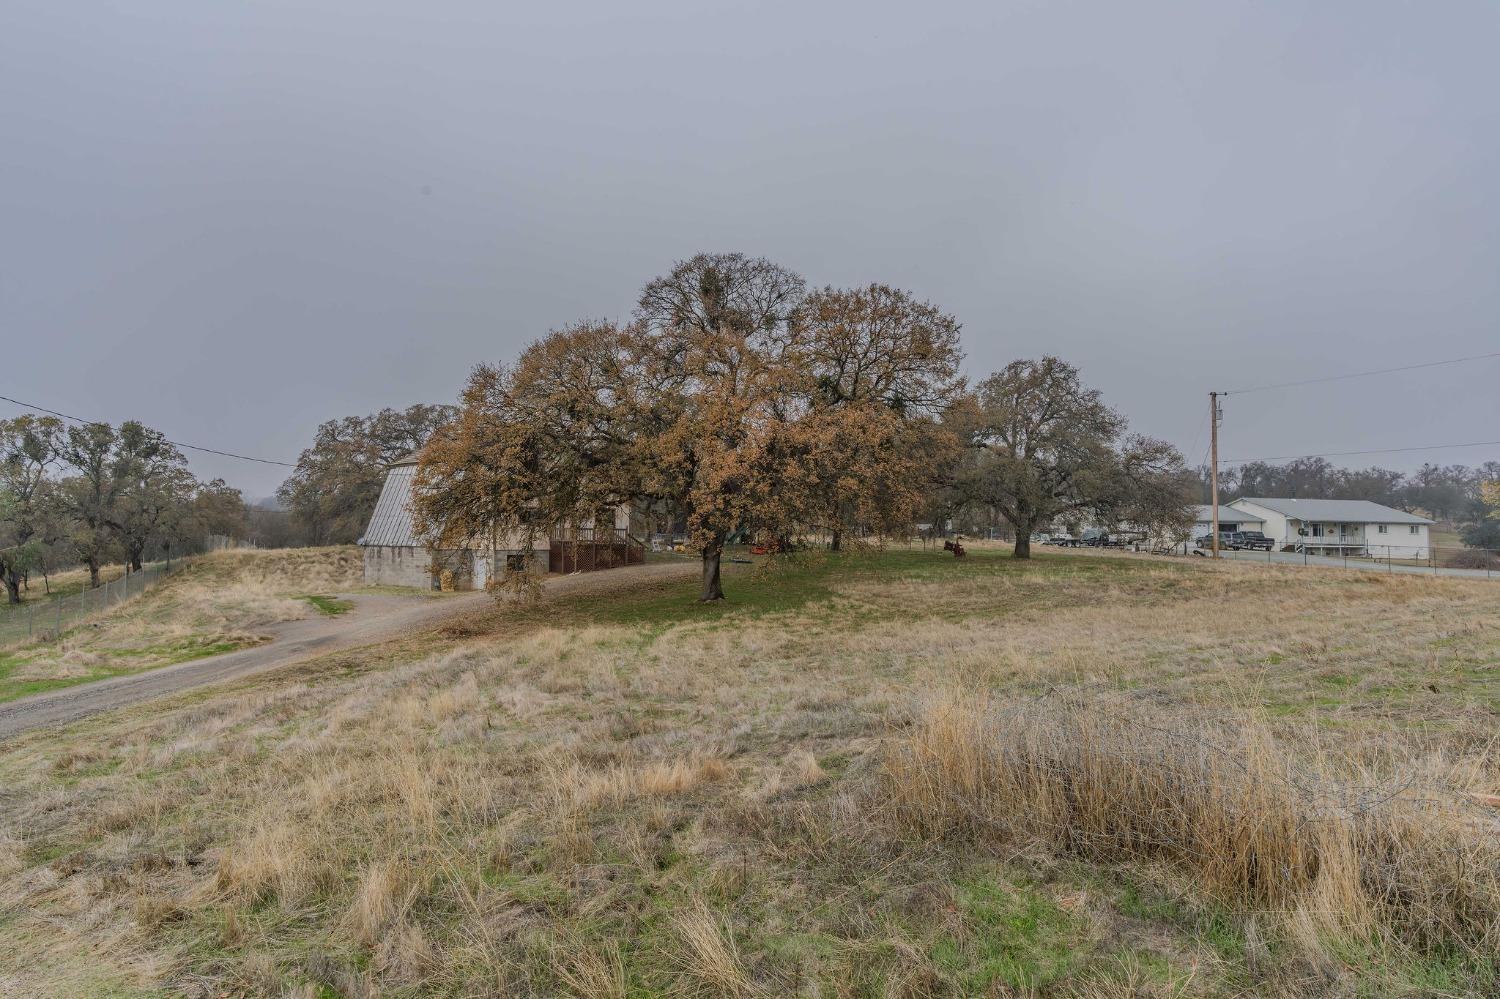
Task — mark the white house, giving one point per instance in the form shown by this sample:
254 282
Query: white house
1339 527
1230 519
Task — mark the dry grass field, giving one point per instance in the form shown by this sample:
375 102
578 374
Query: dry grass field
215 603
893 774
66 583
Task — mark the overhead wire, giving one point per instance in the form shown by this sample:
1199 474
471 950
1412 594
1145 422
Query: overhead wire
181 444
1345 454
1361 374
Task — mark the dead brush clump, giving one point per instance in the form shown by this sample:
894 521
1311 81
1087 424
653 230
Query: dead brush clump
275 860
590 972
1394 855
386 891
709 957
571 787
12 853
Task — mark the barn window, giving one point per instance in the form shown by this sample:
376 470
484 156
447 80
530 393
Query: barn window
1382 529
1414 529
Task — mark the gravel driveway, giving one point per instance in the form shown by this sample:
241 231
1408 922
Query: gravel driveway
374 618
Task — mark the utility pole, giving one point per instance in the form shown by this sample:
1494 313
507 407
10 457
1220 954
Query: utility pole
1213 448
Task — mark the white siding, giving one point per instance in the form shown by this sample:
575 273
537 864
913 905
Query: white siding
1398 541
1275 524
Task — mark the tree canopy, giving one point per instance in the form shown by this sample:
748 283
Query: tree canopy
733 399
333 489
1041 447
91 492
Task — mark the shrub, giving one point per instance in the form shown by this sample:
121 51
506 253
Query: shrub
1401 857
1472 558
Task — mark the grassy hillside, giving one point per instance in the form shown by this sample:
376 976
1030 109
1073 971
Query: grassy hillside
892 775
215 603
67 583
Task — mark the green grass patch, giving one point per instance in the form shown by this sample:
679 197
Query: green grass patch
763 586
1009 934
113 662
329 606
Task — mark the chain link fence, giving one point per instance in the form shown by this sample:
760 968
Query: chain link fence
1436 560
46 620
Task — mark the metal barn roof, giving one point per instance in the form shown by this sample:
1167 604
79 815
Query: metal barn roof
1338 511
390 524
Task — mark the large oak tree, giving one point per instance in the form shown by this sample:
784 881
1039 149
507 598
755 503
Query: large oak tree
1042 446
30 447
732 399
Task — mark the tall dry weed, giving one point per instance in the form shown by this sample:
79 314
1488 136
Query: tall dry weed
1393 854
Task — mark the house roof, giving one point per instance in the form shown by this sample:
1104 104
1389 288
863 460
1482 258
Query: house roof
390 524
1206 515
1341 511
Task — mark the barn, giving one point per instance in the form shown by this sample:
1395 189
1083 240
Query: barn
395 556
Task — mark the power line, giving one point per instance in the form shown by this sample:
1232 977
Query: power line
1345 454
1361 374
190 447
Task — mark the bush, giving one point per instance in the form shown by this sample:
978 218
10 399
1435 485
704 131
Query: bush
1472 558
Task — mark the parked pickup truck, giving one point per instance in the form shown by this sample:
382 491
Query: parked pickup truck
1245 540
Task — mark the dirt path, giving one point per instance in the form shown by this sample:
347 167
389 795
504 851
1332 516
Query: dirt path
374 618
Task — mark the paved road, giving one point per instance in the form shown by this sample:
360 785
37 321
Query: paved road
374 618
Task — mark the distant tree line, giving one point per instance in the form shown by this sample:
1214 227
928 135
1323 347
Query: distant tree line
329 497
92 494
1453 493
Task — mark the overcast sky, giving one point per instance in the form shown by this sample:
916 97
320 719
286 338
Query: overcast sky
234 220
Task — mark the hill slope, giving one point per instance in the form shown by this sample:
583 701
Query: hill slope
882 775
215 603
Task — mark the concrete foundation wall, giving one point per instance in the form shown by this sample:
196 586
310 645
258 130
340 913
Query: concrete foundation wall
390 565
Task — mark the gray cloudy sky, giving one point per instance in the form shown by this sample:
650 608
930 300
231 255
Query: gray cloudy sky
233 220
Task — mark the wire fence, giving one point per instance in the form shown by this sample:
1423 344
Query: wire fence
46 620
1436 560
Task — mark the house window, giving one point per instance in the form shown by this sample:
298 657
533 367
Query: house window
1382 529
1414 529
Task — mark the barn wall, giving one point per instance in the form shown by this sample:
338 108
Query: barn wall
406 565
395 565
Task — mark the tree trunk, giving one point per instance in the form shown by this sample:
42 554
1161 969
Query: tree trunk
135 562
93 564
836 543
12 589
1024 529
712 589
